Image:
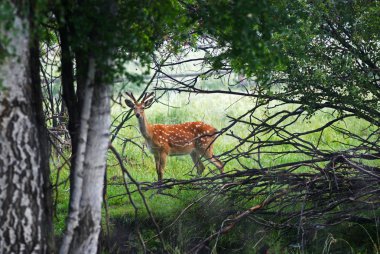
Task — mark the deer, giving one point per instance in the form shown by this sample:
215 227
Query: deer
194 138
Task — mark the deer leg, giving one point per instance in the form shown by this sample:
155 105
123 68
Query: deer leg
157 161
197 161
160 165
210 157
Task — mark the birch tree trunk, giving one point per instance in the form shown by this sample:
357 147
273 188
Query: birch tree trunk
85 209
86 236
93 100
22 214
78 167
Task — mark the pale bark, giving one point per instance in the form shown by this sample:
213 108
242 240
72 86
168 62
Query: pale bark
73 219
86 237
21 181
85 208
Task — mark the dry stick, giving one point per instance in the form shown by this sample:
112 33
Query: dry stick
129 194
55 186
105 202
358 167
66 161
141 194
235 220
169 183
193 89
181 213
56 189
141 239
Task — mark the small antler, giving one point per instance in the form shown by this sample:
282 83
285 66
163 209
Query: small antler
130 95
147 96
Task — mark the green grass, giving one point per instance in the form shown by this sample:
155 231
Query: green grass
212 109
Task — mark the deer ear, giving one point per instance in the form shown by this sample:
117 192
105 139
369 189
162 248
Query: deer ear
129 103
149 103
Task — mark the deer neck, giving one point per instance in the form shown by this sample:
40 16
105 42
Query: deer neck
144 127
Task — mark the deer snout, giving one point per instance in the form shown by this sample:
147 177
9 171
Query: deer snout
138 115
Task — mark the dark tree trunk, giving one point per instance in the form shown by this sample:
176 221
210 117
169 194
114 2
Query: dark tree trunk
69 94
43 137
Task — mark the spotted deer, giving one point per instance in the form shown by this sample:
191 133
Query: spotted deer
194 138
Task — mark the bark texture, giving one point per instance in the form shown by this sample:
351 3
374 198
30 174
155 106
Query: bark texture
85 207
21 181
78 167
86 236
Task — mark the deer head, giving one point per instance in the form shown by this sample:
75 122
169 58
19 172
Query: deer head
137 107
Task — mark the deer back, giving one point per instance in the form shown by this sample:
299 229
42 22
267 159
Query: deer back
181 138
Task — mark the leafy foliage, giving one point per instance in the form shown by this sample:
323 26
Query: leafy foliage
336 62
325 54
245 31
